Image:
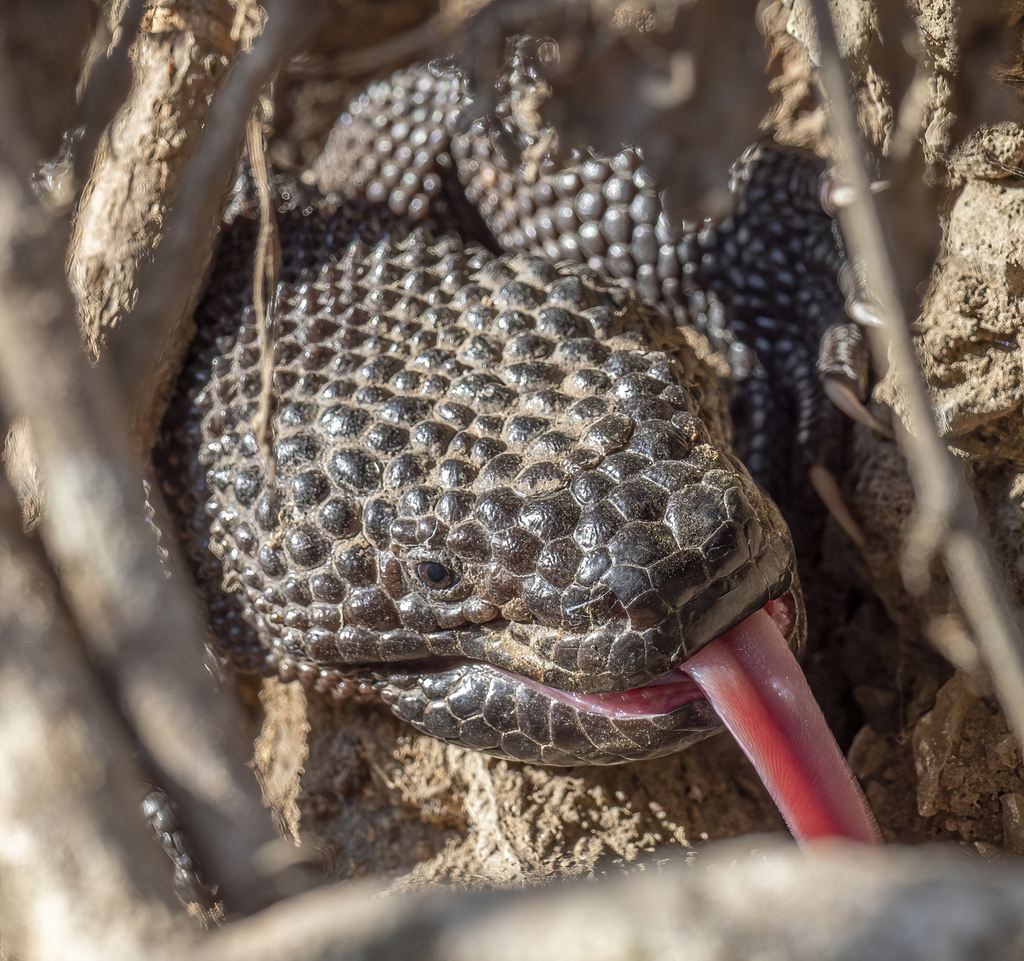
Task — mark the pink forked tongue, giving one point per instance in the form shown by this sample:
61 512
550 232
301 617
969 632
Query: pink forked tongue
756 687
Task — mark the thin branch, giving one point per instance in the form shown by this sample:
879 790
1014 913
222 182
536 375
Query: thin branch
945 521
107 88
143 630
422 40
72 836
146 349
265 273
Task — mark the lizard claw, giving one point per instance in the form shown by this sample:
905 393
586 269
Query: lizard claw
824 483
841 392
863 312
836 196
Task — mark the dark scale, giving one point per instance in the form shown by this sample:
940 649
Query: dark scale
762 284
190 885
774 265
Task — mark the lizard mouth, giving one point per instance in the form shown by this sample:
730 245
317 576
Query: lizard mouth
746 680
662 696
669 692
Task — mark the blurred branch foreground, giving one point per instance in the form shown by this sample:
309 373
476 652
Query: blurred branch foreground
102 683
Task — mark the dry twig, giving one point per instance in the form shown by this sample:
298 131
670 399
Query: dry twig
74 855
264 286
179 58
149 346
107 88
945 522
422 41
143 631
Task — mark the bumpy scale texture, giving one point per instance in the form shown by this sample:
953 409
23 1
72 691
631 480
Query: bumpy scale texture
393 144
762 284
605 212
493 475
602 211
774 264
171 834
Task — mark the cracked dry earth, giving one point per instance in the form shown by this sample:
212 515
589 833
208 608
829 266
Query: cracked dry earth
896 675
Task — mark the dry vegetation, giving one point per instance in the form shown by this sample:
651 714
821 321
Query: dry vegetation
102 680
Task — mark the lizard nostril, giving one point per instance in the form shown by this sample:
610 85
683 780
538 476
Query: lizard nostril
617 610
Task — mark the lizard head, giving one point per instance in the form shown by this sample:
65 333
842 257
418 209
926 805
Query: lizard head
503 495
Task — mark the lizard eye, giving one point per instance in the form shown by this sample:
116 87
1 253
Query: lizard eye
436 576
